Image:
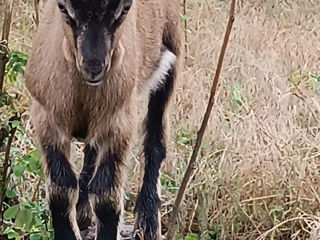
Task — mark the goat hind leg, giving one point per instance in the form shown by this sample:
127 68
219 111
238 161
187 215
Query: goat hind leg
148 201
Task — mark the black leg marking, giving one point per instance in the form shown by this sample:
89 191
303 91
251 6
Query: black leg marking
106 191
60 169
148 202
83 206
63 182
59 206
104 179
109 219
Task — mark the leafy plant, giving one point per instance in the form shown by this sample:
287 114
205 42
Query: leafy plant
236 99
15 66
23 210
27 219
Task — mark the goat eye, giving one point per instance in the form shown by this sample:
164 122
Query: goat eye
62 8
126 9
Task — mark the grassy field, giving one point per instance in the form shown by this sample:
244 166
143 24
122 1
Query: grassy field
258 172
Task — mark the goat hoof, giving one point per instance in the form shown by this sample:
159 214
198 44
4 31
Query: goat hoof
126 231
146 229
138 234
88 234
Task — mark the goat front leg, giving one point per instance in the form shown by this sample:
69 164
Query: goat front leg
83 206
105 192
62 190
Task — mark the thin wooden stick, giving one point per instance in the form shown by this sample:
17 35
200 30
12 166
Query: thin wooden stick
185 26
35 195
4 40
36 9
6 166
4 58
190 169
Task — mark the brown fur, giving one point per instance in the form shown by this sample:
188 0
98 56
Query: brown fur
63 102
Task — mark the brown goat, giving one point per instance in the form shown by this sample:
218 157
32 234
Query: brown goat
90 62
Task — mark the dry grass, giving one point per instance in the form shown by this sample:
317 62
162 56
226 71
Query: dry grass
260 162
258 173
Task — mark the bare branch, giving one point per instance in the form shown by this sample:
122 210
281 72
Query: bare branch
185 26
4 40
190 169
36 9
6 166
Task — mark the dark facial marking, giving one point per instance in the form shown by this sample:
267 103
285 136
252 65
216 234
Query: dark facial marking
93 46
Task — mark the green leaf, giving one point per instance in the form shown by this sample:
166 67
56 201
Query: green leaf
38 220
178 236
34 165
18 221
191 236
13 235
16 123
26 216
10 193
11 212
35 155
18 170
35 236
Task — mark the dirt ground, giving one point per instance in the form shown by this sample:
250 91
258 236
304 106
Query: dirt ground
258 174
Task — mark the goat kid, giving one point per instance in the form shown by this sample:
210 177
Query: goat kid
89 63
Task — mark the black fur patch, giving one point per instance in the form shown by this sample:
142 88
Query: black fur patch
83 207
59 205
60 169
102 182
90 155
104 179
108 219
147 206
81 129
148 201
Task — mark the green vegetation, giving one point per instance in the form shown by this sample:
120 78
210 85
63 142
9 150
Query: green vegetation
23 211
257 175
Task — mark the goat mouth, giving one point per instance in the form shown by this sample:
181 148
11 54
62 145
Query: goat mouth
94 82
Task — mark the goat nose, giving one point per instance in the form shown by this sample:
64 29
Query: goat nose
93 67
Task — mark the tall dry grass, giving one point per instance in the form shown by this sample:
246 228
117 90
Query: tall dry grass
258 172
260 162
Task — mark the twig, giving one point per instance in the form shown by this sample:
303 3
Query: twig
3 136
265 234
185 26
190 169
6 165
4 40
36 9
36 191
243 211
